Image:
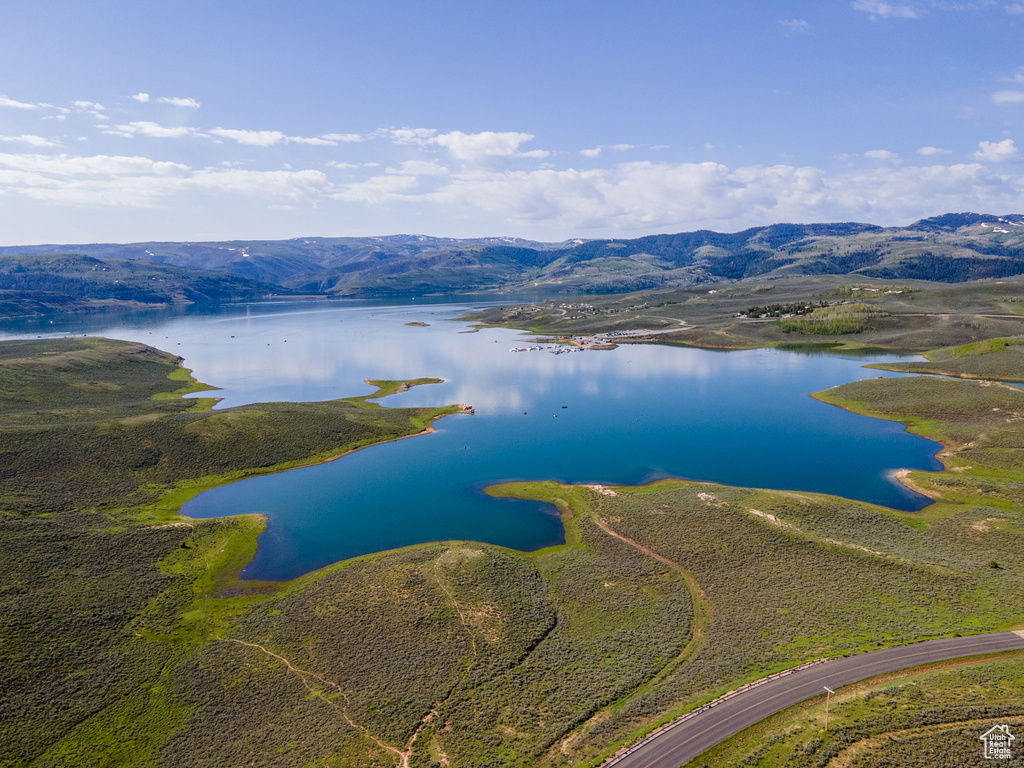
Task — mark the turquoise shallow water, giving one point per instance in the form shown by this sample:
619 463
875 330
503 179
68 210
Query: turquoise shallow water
629 415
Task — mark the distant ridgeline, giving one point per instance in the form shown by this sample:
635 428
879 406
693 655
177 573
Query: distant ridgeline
44 284
951 248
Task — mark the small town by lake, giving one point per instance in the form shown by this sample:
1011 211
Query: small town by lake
622 416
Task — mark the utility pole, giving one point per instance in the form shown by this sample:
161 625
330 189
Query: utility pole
828 696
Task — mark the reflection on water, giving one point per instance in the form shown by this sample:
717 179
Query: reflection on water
624 416
818 349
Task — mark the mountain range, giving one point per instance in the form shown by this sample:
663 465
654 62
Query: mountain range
950 248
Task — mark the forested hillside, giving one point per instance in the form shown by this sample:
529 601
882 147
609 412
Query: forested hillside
37 285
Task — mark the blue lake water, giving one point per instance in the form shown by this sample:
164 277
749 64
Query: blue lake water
624 416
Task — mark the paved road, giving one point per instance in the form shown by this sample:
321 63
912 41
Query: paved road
681 744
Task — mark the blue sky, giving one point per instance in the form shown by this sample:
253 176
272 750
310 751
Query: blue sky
546 120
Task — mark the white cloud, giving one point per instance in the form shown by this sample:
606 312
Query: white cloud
631 196
154 130
469 147
124 131
97 165
140 182
878 9
418 136
376 189
292 185
795 27
880 154
6 102
996 151
179 102
338 164
596 151
1008 97
89 106
666 197
176 101
342 137
419 168
250 138
475 147
313 142
32 141
270 138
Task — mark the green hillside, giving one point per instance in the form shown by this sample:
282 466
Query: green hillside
40 285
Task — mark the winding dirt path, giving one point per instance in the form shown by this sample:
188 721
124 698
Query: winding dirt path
698 633
436 708
305 676
701 602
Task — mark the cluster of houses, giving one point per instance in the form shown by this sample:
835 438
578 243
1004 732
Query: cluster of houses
552 350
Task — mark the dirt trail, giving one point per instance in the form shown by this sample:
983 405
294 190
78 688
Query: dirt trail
701 623
436 708
404 756
305 676
701 602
